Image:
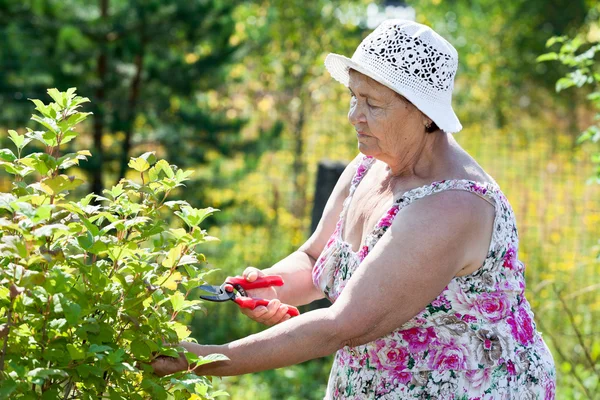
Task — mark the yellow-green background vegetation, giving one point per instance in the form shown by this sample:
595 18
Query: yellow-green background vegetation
238 91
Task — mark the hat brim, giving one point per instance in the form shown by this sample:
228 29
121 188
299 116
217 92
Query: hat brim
443 115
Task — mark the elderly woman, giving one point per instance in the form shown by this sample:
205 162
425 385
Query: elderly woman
417 251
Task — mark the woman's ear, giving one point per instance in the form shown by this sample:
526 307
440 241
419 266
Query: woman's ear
427 122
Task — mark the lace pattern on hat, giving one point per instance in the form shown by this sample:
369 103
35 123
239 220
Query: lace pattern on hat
426 64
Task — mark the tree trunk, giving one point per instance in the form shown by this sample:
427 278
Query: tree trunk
101 65
134 94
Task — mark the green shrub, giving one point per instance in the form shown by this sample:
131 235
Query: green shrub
89 288
580 56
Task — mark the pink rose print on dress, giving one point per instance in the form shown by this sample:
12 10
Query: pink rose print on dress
478 188
387 355
448 356
510 258
521 326
441 301
461 303
492 306
418 339
389 217
402 377
510 367
550 387
360 171
363 252
468 318
479 379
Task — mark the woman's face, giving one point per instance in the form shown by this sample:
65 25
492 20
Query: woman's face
388 126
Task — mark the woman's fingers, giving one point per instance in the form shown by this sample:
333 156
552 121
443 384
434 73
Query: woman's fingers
279 315
251 274
272 314
164 365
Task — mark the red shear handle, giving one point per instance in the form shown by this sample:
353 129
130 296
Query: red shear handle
248 302
260 282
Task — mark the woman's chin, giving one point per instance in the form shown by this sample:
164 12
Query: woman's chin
366 149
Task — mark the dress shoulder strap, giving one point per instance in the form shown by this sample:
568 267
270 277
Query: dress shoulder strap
487 191
361 170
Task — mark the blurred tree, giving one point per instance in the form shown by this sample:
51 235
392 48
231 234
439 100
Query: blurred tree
287 69
499 67
143 63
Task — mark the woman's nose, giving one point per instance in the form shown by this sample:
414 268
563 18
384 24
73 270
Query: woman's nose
355 114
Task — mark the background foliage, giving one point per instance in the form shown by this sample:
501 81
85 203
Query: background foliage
238 91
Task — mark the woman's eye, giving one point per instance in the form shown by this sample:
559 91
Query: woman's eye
371 105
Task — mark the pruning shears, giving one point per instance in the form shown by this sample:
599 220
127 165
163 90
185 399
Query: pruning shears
227 291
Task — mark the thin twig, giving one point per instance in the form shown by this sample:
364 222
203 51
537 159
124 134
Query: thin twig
588 356
563 357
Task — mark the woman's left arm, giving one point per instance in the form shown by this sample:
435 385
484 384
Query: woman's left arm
427 244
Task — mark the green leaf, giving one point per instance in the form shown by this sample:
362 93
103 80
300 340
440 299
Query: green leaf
46 372
555 39
211 358
172 256
564 83
547 57
194 216
58 324
51 230
42 213
75 352
157 391
73 120
7 386
16 169
41 162
149 156
177 301
58 97
86 370
86 241
182 175
19 140
72 312
67 136
171 352
68 160
7 155
592 133
42 108
96 348
164 166
140 349
139 164
116 356
32 278
115 191
60 183
48 138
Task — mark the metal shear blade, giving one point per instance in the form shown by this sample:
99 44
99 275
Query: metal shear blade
218 293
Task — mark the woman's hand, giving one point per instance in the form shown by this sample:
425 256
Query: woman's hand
275 312
165 365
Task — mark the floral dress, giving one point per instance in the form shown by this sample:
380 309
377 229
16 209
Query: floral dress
476 340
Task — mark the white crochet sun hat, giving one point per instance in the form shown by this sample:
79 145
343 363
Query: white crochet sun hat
411 59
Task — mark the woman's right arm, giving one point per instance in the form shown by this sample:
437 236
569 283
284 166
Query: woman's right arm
296 269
